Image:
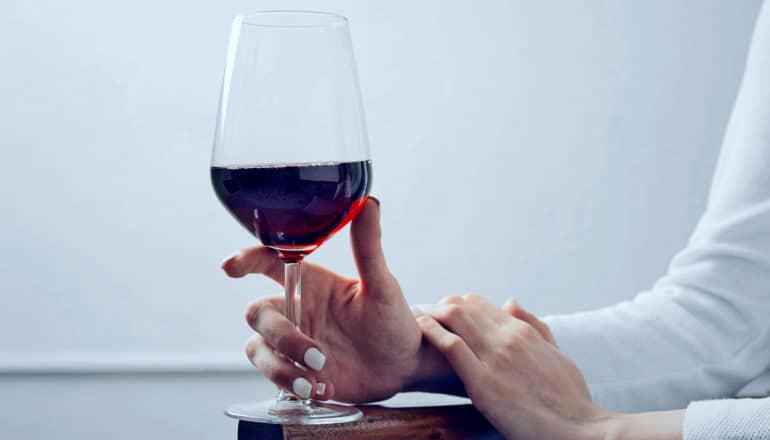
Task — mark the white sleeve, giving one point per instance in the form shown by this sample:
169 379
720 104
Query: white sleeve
703 330
745 419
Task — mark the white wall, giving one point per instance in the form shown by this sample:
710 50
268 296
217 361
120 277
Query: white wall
559 152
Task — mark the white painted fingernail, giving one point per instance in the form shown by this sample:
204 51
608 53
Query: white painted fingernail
229 257
301 387
314 358
320 389
416 311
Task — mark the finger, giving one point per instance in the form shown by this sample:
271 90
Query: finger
476 300
265 317
452 299
457 319
417 309
478 304
460 356
514 309
283 372
255 259
263 260
365 236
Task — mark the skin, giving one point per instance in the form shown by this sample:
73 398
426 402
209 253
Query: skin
516 376
506 360
364 327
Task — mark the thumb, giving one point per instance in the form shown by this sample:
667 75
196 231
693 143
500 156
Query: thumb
365 235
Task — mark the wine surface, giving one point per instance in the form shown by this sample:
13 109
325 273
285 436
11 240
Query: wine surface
293 208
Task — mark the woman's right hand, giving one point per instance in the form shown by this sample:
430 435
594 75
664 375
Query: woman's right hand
361 339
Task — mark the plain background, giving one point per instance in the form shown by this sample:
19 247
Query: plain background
557 152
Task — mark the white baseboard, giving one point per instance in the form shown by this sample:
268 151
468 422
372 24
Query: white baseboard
124 363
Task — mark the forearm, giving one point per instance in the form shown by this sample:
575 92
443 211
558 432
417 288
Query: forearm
698 342
702 331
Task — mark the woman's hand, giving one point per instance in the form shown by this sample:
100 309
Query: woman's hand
361 340
512 370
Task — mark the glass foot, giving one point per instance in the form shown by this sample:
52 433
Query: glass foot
293 412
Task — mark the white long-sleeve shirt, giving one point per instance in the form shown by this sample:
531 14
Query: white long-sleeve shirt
703 330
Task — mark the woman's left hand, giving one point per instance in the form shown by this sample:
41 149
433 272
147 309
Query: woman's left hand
512 370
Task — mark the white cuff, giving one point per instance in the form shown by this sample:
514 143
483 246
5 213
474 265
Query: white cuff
745 419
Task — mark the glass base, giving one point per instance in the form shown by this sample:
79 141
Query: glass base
293 412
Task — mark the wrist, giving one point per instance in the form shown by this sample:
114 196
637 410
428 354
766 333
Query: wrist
600 425
663 425
606 426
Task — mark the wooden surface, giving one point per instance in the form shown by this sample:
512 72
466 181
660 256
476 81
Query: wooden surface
392 420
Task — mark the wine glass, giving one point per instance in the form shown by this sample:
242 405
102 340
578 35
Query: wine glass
291 157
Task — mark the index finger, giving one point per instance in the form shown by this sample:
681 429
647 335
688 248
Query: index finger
463 360
263 260
256 259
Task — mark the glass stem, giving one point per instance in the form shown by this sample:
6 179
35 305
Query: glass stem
292 276
292 279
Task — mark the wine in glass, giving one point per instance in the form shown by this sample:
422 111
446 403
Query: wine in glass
291 157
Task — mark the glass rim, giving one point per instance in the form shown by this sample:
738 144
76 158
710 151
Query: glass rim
322 19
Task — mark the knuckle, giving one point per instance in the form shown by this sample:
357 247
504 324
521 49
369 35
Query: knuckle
249 314
516 338
452 299
253 311
527 332
275 371
452 344
263 363
473 297
510 342
452 312
504 349
250 348
257 312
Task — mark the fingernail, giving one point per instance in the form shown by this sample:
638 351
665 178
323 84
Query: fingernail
376 200
320 389
301 387
314 358
416 311
229 257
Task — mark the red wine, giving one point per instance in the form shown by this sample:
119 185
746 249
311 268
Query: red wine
293 208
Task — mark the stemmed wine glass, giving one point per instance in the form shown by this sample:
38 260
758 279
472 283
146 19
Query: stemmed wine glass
291 157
